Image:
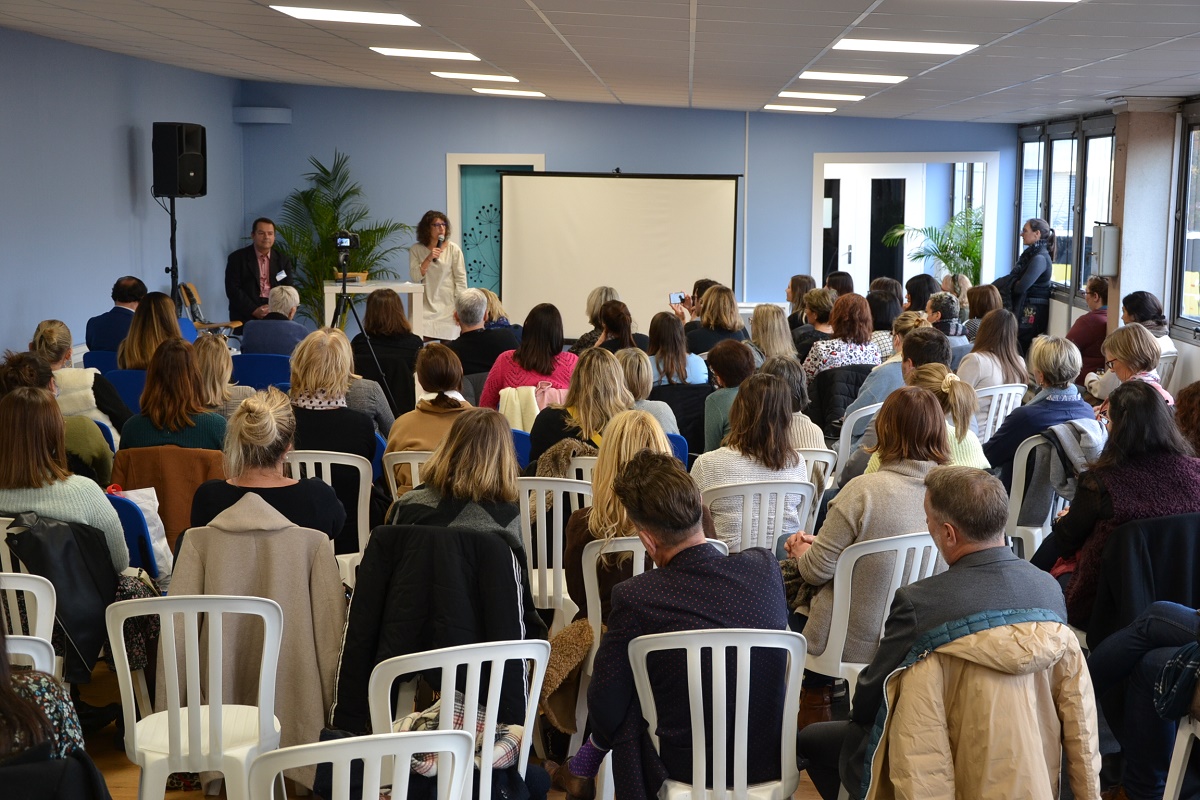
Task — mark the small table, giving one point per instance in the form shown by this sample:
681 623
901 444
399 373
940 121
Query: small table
415 292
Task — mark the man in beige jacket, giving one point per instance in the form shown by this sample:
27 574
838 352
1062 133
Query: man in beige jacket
996 625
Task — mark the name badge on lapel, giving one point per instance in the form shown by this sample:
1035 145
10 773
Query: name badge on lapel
280 275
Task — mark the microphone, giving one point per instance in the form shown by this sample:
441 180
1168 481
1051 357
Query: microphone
441 238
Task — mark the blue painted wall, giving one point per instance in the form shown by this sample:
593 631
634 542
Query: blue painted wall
397 143
75 205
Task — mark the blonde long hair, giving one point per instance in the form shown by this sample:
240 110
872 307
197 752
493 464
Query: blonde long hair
956 397
626 435
597 391
216 368
153 323
769 331
322 360
476 461
51 340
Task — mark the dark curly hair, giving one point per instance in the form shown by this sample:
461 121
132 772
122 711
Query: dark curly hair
426 224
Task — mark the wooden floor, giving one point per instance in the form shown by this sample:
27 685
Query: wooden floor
122 776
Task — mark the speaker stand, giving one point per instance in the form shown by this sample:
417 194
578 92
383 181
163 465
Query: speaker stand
173 270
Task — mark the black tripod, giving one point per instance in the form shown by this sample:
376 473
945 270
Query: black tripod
345 303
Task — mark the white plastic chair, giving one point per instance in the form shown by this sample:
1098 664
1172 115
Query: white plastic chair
916 558
473 657
1029 536
415 460
743 641
1185 737
318 464
1003 399
1166 368
547 580
581 469
40 612
202 733
845 448
764 502
38 652
378 754
827 459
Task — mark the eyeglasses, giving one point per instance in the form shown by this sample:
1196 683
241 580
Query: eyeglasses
1109 364
437 225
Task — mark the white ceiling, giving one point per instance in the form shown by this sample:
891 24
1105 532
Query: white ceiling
1036 60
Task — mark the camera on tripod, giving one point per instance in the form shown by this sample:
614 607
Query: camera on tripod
346 240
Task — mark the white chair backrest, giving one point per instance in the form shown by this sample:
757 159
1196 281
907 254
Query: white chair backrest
1166 368
378 753
1029 536
813 457
581 469
548 583
317 464
1001 400
742 641
845 450
473 657
32 651
916 558
415 460
189 752
40 611
763 505
1185 739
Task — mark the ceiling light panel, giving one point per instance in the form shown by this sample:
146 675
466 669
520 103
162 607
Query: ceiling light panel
338 15
851 77
806 109
452 55
467 76
507 92
896 46
822 96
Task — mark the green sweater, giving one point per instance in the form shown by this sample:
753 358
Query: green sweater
75 499
716 417
207 434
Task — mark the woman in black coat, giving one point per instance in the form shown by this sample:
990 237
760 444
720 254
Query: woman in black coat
388 331
1028 285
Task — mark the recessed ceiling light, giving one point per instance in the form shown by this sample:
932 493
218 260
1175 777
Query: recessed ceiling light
822 96
467 76
453 55
889 46
337 15
851 77
809 109
510 92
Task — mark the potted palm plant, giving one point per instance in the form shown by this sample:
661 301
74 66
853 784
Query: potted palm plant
956 247
311 218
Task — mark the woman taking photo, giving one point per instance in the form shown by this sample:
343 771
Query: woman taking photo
719 320
81 392
635 365
425 427
320 379
617 333
995 359
889 502
216 368
1146 470
470 481
758 448
851 340
818 305
769 334
884 310
386 349
626 435
153 323
596 394
982 299
34 475
437 262
173 410
261 433
670 362
1028 285
798 286
917 291
595 301
1144 309
538 358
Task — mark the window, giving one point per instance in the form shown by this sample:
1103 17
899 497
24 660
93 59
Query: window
969 183
1059 161
1188 248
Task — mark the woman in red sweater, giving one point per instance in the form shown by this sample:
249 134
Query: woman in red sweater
538 358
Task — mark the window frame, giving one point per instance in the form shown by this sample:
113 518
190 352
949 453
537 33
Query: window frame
1181 326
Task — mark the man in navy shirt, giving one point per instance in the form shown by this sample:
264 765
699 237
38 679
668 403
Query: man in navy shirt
108 330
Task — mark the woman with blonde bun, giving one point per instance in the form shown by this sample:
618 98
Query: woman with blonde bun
261 433
216 368
81 392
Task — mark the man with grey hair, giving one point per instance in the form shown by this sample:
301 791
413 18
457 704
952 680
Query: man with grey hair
277 333
986 588
477 347
942 312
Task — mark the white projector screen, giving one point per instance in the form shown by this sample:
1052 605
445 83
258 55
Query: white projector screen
564 234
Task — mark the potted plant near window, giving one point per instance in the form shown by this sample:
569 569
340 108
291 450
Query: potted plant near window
955 248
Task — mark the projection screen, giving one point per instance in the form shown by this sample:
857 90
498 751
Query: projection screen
563 234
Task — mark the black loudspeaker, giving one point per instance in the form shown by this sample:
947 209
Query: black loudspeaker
180 161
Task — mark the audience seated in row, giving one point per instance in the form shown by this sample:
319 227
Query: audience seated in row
106 331
538 358
1088 332
769 334
216 368
635 365
617 332
386 352
718 320
885 307
277 333
851 339
889 375
595 302
981 300
818 305
153 323
80 392
596 393
173 410
995 359
730 363
798 286
941 311
670 361
477 346
1144 309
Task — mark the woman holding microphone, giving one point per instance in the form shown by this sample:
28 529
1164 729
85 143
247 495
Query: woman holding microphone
438 263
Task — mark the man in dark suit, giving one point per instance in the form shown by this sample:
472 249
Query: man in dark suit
966 510
694 588
108 330
476 347
251 273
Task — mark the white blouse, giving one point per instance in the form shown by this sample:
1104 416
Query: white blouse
445 280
